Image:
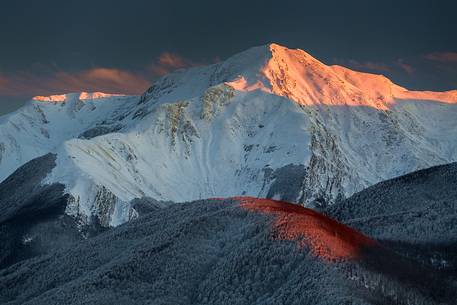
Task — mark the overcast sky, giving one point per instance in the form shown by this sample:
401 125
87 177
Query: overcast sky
50 47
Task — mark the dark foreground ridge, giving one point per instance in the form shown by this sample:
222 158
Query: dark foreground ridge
415 214
221 251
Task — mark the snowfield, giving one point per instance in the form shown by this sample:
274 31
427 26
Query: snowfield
268 122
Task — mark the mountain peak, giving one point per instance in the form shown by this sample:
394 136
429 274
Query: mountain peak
278 50
298 76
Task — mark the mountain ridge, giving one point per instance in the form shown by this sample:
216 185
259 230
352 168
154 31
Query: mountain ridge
260 123
226 251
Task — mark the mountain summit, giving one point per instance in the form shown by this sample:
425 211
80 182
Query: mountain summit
268 122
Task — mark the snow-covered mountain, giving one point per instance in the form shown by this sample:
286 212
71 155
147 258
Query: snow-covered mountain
268 122
46 122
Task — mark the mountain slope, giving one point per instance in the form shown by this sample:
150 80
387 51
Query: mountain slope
45 123
268 122
229 251
420 206
415 214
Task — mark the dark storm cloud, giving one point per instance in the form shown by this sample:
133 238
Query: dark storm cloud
39 38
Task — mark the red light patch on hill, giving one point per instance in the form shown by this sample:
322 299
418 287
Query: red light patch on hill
326 238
